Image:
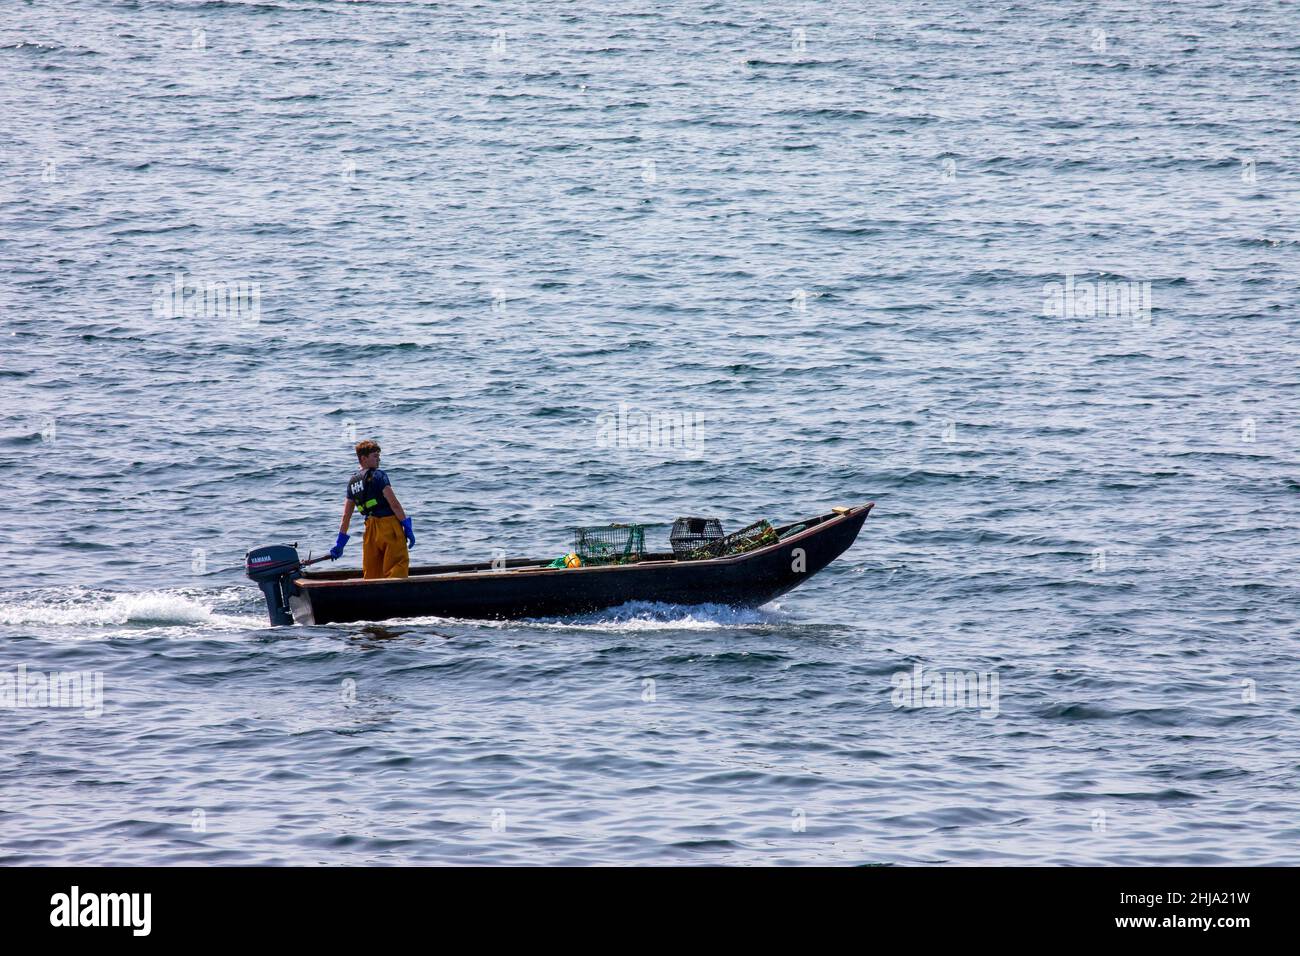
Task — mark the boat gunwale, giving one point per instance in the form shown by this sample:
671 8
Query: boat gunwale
827 520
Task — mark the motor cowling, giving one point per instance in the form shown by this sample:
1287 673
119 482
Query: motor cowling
274 569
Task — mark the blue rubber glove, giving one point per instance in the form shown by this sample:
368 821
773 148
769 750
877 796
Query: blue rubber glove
336 552
410 535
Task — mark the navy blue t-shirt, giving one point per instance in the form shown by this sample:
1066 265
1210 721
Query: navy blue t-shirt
362 490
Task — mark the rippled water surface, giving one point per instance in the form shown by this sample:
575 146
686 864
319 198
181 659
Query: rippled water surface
828 234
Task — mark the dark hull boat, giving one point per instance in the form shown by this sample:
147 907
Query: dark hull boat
522 587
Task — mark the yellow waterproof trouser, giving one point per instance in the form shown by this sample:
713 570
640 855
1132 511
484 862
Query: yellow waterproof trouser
383 549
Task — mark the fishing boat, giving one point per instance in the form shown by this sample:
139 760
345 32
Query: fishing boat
785 557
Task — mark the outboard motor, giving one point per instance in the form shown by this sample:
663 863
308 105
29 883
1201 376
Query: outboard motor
274 568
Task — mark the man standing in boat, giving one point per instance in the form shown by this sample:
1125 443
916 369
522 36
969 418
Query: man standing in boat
388 530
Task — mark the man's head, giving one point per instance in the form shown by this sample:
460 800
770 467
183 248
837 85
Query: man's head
368 453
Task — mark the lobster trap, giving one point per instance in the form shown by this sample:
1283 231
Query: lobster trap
757 535
691 534
610 544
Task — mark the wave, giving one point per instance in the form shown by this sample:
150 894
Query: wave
657 616
633 617
83 608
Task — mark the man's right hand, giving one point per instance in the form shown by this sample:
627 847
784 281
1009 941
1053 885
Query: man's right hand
336 552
